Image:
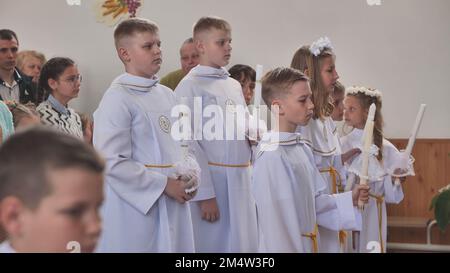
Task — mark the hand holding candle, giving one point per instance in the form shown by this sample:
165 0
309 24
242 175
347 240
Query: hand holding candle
412 139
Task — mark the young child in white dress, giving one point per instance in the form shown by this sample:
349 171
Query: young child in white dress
383 156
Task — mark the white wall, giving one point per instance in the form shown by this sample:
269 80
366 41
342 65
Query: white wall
401 47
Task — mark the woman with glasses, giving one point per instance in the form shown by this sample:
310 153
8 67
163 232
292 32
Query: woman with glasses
60 82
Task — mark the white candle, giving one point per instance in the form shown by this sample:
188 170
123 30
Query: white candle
257 99
415 130
367 142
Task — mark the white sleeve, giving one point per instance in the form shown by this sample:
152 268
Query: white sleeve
137 185
206 189
340 168
335 212
392 193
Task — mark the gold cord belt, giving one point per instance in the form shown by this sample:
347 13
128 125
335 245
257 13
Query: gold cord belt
245 165
159 166
313 237
336 181
380 200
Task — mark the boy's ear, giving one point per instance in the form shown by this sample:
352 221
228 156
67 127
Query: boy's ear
124 54
277 107
200 46
11 210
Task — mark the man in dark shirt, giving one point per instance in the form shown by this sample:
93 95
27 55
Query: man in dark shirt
13 85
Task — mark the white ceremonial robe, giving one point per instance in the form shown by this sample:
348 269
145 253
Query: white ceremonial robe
132 130
236 229
383 187
291 197
323 140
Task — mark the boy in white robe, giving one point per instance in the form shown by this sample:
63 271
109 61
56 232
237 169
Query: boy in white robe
290 193
382 188
51 188
223 214
145 207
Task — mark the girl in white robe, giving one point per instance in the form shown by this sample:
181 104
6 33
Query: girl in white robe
318 63
383 156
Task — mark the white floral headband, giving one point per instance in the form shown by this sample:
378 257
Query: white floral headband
364 90
319 45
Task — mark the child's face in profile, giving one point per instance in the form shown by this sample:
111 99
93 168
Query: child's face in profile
354 114
248 88
296 107
68 213
338 102
215 48
328 73
144 54
68 84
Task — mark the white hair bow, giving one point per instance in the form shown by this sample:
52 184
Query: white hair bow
319 45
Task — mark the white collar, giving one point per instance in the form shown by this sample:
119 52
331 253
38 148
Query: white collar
137 83
208 71
271 140
322 136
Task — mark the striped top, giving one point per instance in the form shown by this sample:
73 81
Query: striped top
67 121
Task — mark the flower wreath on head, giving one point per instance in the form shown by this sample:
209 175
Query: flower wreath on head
371 92
318 46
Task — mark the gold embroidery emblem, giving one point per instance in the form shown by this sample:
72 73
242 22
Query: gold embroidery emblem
164 124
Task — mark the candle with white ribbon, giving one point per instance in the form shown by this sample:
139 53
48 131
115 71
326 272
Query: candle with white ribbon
367 142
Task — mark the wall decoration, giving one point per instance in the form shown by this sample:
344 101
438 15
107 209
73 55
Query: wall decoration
111 12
